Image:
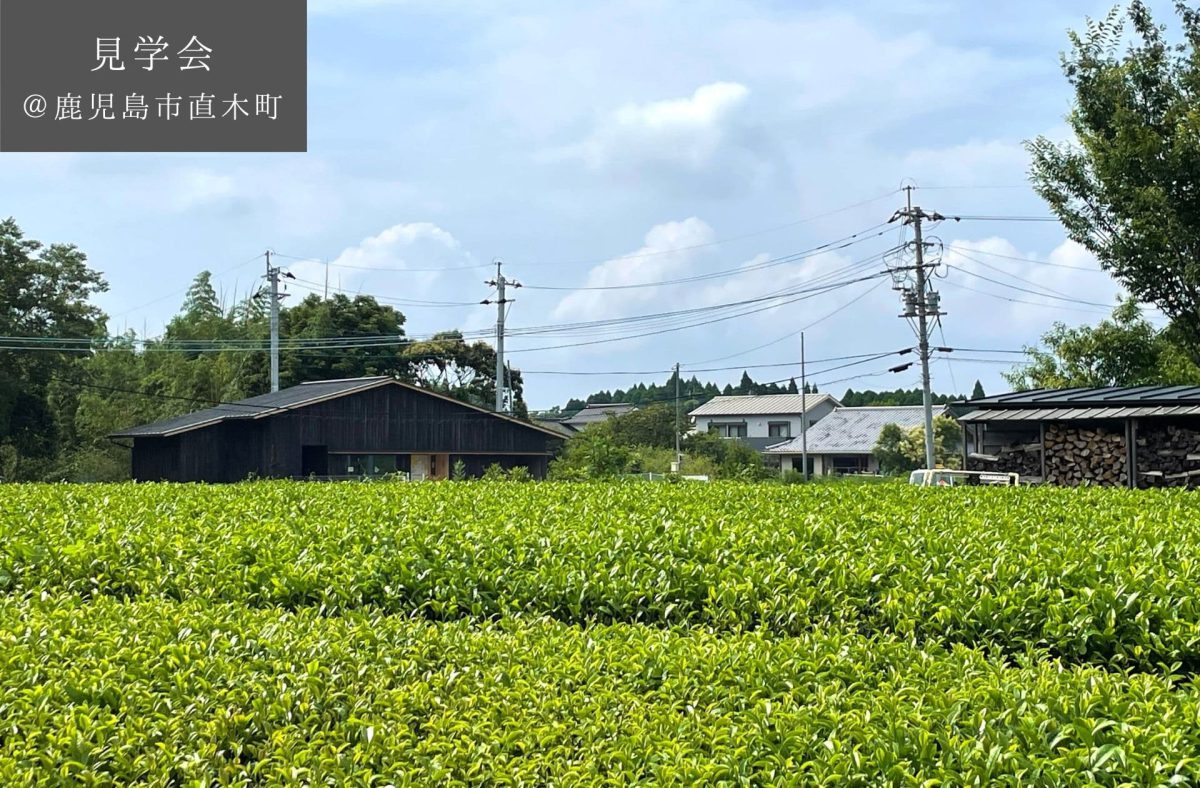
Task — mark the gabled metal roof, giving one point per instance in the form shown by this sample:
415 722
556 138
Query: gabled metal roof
761 405
1114 396
855 430
1078 414
289 399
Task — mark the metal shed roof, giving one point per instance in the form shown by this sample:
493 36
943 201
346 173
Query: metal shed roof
1078 414
1114 396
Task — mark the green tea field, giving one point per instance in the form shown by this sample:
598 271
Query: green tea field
577 634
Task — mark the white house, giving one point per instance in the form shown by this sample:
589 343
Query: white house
844 441
761 420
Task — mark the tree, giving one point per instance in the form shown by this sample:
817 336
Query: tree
977 392
650 426
792 388
899 451
591 454
44 291
341 316
1127 188
466 371
890 451
1125 350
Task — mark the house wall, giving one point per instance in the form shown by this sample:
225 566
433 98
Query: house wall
388 419
822 464
757 426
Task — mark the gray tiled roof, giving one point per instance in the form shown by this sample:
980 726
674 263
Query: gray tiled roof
761 405
855 430
594 413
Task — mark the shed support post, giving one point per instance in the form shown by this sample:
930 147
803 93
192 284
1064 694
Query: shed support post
1042 440
1131 451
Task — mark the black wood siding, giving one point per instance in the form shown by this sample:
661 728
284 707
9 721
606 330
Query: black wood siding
390 418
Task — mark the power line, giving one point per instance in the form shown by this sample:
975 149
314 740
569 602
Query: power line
961 249
831 246
1023 301
1026 290
181 291
1021 279
317 287
701 323
684 367
634 255
965 218
720 241
801 330
383 269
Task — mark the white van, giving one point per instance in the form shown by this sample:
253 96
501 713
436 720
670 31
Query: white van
943 477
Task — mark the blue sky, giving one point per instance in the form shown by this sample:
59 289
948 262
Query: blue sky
615 143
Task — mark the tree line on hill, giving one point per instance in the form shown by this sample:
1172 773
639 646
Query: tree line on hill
694 393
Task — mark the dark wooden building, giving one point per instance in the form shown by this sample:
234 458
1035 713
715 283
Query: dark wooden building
1133 436
337 429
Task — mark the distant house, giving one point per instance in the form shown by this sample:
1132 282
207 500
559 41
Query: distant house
593 414
338 429
761 421
844 441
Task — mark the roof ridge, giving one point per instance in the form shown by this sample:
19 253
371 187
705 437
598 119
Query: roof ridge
342 380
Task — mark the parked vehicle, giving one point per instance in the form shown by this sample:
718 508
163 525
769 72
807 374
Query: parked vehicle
944 477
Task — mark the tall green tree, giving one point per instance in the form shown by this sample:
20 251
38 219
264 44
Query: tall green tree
342 316
44 292
1124 350
977 392
1128 187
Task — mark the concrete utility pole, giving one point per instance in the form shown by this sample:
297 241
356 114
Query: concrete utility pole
273 278
803 410
921 302
500 283
678 453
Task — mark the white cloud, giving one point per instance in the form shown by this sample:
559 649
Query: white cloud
684 131
382 265
977 162
670 250
193 187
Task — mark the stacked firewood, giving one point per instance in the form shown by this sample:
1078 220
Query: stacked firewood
1085 455
1168 456
1025 459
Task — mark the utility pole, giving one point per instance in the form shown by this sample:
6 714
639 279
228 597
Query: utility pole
500 283
678 453
273 279
803 410
921 302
